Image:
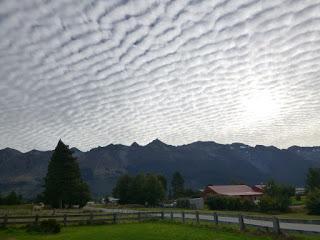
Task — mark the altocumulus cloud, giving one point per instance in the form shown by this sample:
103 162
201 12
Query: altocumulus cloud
96 72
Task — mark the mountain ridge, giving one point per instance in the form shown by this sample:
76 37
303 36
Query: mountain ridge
200 162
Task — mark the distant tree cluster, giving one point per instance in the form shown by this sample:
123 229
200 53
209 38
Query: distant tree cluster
177 185
313 191
276 197
146 189
178 189
150 189
64 186
11 199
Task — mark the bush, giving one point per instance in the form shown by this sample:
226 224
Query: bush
313 201
276 197
46 226
229 203
274 203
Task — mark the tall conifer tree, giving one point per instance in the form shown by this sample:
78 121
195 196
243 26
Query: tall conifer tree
63 184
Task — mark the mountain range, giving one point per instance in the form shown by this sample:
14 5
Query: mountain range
200 163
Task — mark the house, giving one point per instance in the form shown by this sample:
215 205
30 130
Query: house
241 191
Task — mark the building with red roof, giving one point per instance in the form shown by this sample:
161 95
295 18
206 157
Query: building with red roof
242 191
259 187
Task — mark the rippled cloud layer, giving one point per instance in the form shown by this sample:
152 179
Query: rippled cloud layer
96 72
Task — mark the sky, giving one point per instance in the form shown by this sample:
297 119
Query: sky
98 72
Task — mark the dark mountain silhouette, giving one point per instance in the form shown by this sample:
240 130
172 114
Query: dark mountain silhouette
200 163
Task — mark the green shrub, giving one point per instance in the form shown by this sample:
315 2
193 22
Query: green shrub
313 201
46 226
276 197
269 203
229 203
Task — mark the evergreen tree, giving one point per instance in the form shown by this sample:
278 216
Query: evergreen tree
136 189
163 181
313 201
63 183
153 190
313 179
177 185
122 189
12 199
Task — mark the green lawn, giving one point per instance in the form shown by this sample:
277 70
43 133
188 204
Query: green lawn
301 202
140 231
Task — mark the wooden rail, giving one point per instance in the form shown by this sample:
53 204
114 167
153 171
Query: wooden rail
273 224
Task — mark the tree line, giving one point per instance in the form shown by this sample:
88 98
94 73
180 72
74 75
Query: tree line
11 198
150 189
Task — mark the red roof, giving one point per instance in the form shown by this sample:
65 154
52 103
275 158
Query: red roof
234 190
260 186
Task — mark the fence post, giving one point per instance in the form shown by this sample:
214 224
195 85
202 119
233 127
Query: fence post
215 218
139 216
197 216
162 215
183 220
5 220
65 220
171 216
36 219
241 223
115 218
91 218
276 225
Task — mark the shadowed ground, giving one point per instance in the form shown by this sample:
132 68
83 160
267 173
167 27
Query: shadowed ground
141 231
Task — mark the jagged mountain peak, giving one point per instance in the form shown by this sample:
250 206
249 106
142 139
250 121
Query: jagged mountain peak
156 142
135 144
10 150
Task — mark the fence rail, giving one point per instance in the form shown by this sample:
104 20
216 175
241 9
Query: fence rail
271 224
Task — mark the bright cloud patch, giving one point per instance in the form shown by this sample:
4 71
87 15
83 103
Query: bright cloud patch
96 72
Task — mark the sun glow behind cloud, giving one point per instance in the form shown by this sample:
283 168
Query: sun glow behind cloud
261 106
98 72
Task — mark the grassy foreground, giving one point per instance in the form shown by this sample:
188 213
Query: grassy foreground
141 231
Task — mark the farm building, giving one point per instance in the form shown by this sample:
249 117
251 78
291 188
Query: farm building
258 187
242 191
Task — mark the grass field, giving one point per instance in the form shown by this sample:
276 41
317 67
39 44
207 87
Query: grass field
26 209
295 202
141 231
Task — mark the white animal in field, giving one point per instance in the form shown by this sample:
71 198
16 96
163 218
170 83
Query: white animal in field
38 207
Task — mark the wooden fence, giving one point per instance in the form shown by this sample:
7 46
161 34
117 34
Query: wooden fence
271 224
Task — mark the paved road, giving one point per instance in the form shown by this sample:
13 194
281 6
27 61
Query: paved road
227 219
110 210
260 223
